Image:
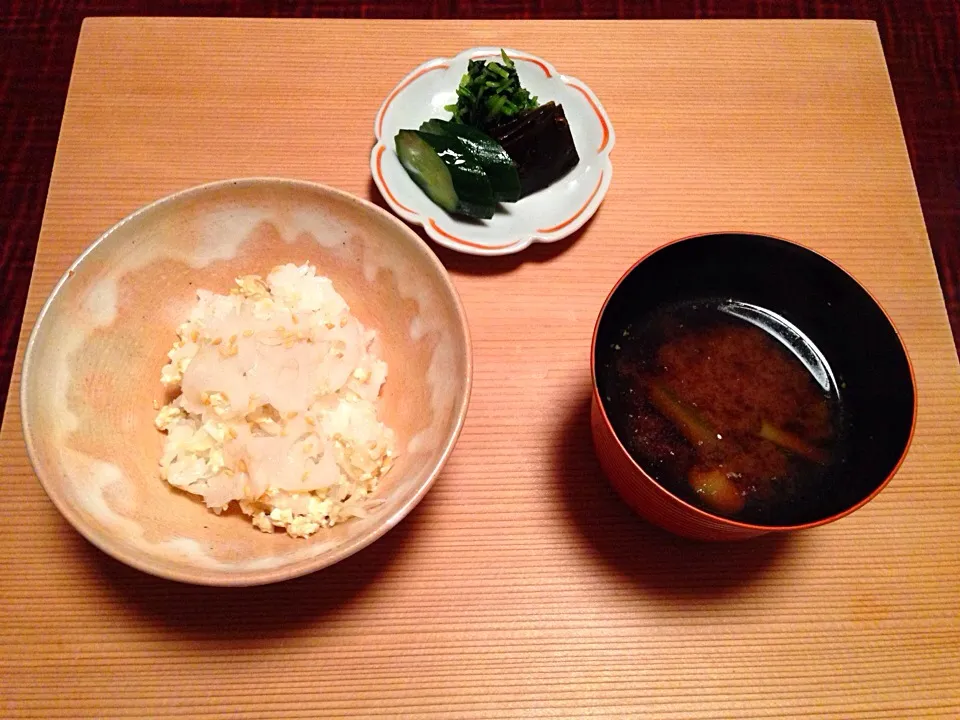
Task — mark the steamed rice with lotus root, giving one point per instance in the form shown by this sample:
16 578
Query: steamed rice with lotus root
277 407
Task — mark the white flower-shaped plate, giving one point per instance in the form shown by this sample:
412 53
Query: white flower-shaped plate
545 216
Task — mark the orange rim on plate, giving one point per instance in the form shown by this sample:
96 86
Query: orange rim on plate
468 243
596 111
399 88
383 182
578 213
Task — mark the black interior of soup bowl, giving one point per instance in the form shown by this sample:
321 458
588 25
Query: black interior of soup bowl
833 313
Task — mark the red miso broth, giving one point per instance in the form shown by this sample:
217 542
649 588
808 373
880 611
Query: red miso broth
729 407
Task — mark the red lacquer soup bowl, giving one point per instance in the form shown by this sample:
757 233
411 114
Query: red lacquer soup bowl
814 310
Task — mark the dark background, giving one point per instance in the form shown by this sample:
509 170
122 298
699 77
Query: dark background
38 41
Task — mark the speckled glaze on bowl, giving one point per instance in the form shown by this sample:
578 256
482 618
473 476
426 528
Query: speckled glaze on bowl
91 371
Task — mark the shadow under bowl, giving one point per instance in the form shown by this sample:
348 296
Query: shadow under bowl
834 317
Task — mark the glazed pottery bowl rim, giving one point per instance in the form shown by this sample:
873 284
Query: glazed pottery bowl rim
689 508
144 562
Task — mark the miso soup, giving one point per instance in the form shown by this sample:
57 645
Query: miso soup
728 406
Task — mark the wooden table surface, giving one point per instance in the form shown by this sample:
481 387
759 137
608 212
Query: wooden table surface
521 586
921 43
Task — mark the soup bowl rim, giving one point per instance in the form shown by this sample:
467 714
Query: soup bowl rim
753 528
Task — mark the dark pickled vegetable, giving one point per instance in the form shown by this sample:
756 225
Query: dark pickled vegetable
541 144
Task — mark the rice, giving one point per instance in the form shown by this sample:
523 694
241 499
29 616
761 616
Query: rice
279 385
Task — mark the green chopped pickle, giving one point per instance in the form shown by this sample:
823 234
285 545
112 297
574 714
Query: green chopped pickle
490 93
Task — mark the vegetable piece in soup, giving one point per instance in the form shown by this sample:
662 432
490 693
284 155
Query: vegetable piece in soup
723 413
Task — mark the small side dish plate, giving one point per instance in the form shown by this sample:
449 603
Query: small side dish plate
545 216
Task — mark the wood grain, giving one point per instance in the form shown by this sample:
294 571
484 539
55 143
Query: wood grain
521 586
